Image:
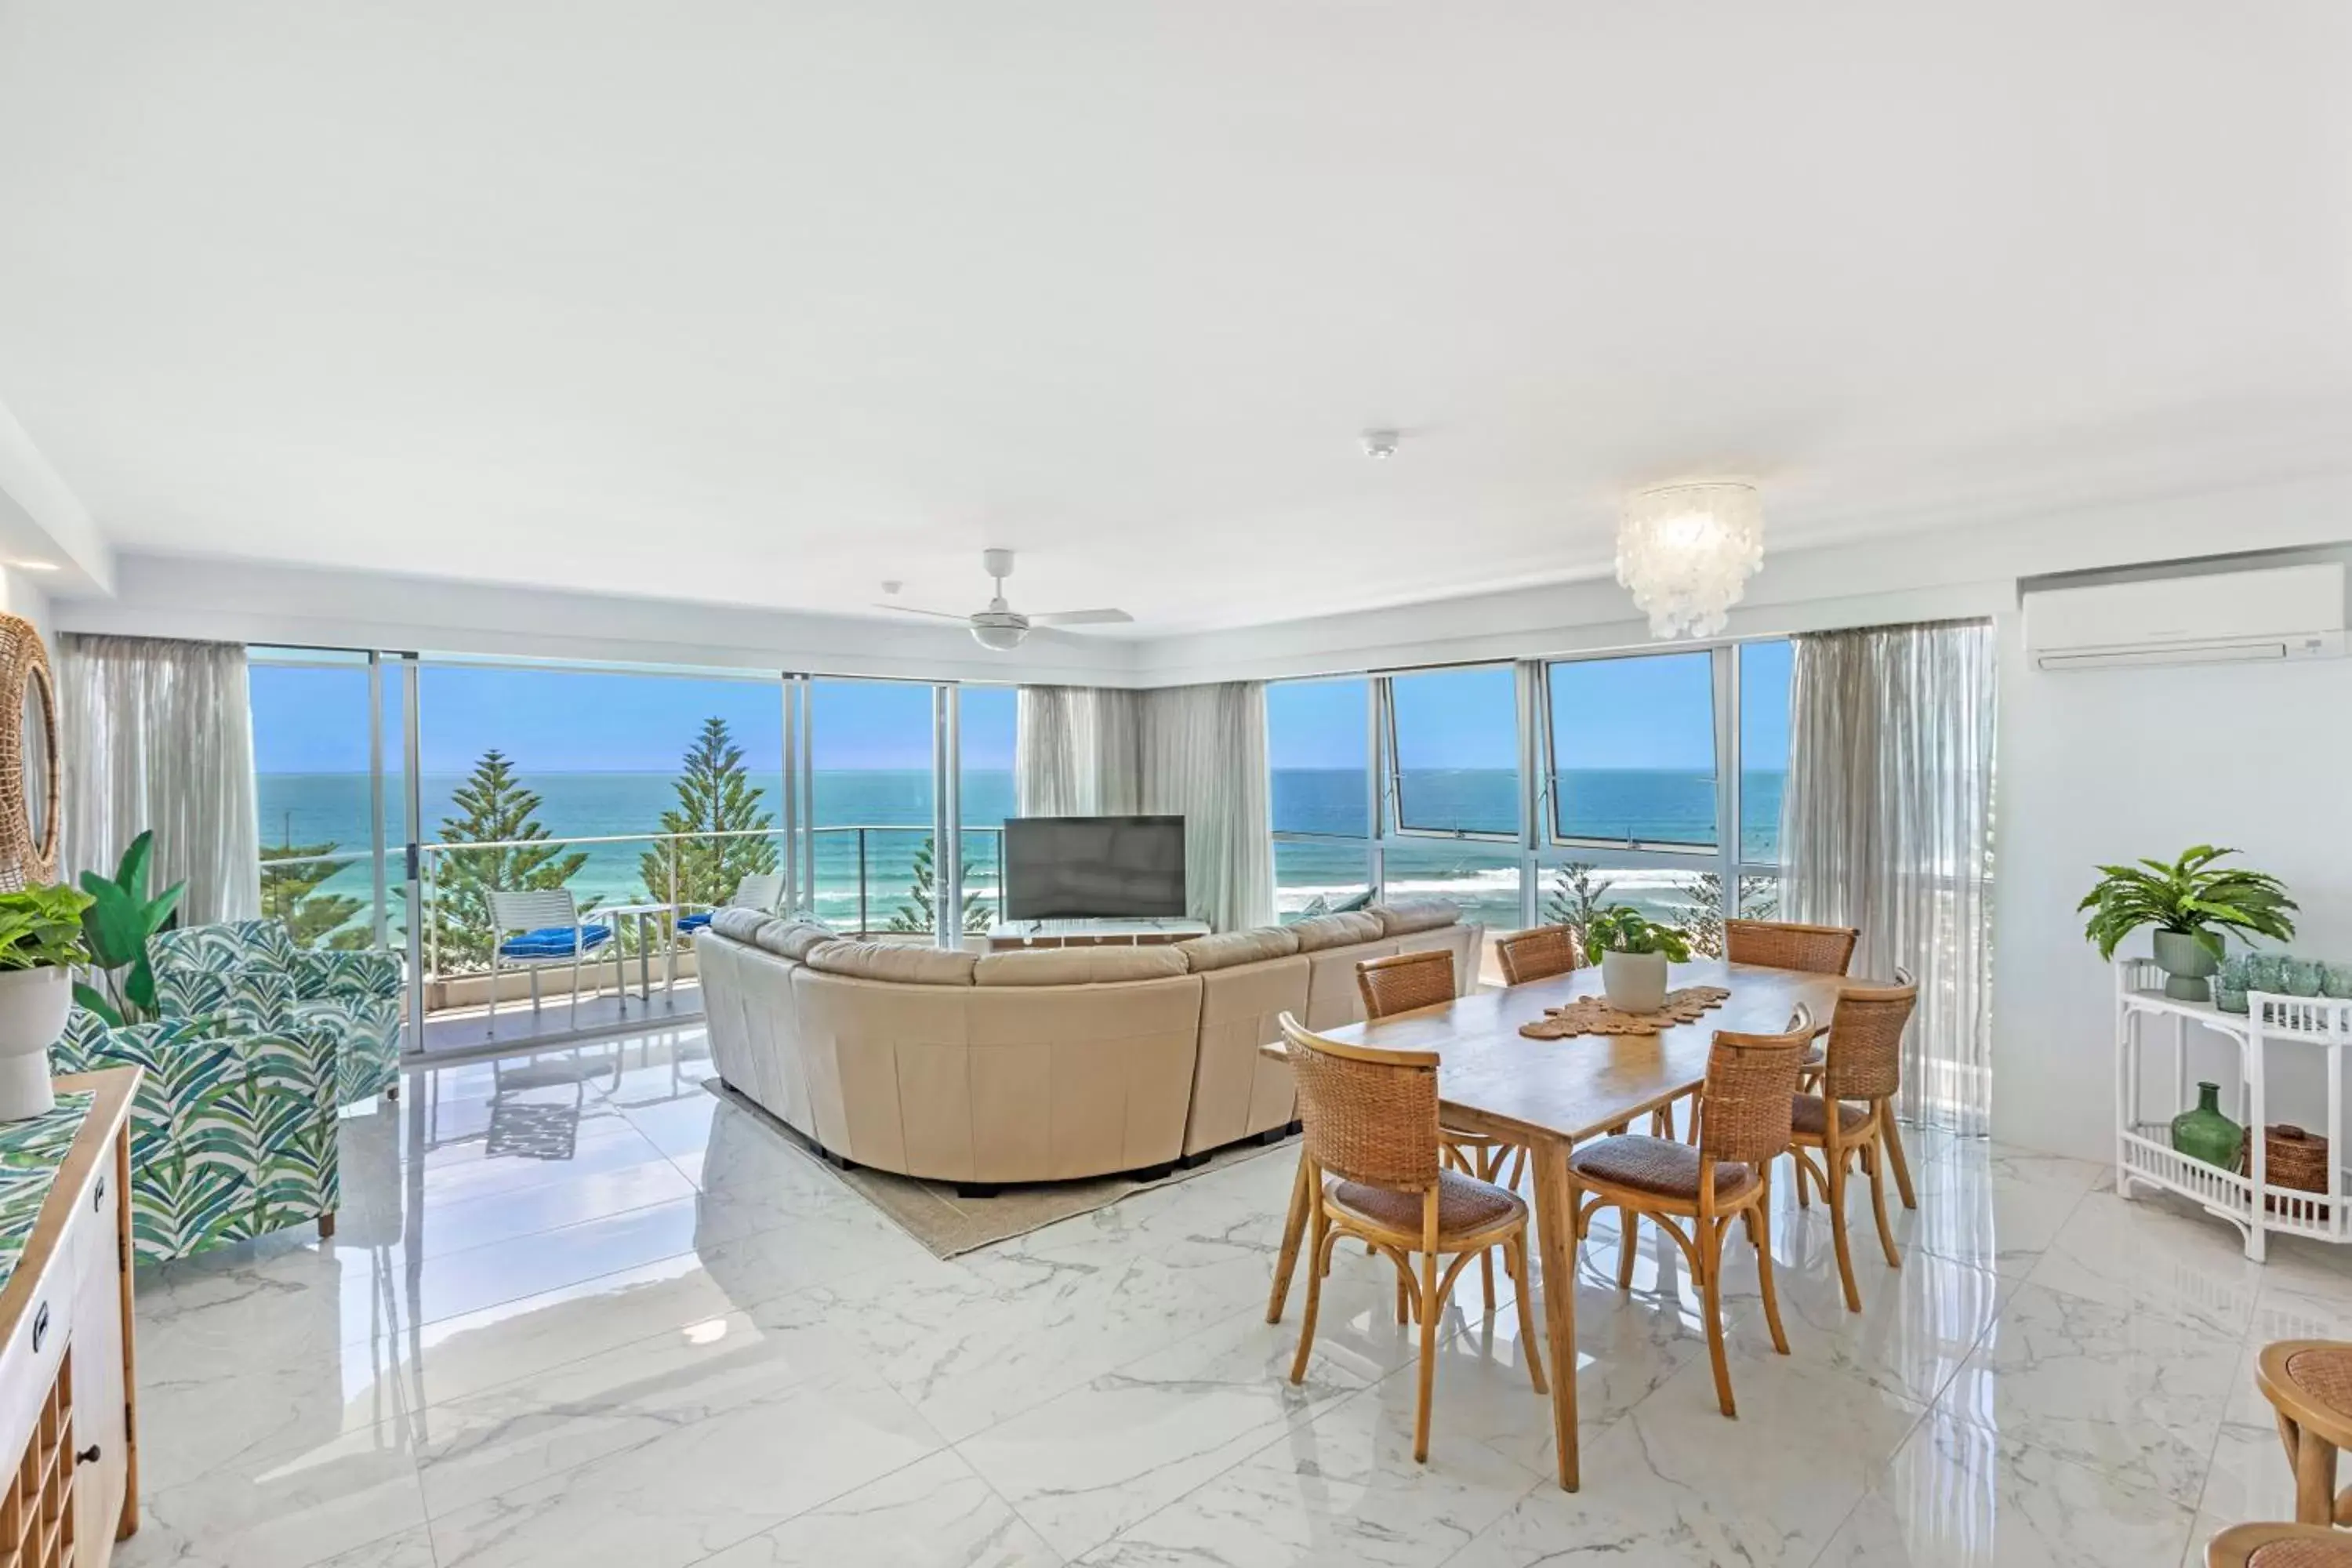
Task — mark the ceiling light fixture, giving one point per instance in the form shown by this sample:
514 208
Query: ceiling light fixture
1687 551
1380 444
34 565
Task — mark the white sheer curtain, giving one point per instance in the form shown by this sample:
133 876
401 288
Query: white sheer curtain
1078 752
159 734
1886 826
1204 759
1194 752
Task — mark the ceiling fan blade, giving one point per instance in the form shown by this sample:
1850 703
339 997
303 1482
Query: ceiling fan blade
911 610
1081 618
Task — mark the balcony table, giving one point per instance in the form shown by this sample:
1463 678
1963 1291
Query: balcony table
1552 1094
663 917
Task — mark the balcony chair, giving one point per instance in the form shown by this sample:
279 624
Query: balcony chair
534 929
761 890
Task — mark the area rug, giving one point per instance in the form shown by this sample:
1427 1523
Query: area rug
949 1226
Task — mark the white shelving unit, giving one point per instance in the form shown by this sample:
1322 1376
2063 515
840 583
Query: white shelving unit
2143 1153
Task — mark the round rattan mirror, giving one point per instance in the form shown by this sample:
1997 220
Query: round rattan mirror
29 758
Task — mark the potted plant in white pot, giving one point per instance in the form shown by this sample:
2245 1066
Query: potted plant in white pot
1633 952
2191 903
40 941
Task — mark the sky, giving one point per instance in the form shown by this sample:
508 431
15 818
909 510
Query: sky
1645 711
313 718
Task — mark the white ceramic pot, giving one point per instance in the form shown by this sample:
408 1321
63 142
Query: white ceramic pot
33 1006
1633 982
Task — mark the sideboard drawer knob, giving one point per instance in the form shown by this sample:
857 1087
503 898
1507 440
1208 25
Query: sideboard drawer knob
87 1456
40 1327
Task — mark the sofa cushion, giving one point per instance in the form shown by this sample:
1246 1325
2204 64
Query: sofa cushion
902 961
1078 965
1321 932
1226 949
743 925
793 938
1416 914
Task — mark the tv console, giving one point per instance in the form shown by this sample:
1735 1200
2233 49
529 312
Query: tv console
1008 935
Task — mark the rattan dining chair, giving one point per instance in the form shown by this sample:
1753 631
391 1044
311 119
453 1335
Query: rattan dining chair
2309 1385
2279 1546
1537 955
1819 950
1398 984
1372 1145
1744 1114
1863 1070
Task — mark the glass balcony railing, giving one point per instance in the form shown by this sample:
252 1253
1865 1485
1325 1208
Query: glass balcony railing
872 880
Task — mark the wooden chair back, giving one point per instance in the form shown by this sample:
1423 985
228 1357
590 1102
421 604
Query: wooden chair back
1403 980
1370 1116
1785 944
1537 955
1748 1102
1865 1047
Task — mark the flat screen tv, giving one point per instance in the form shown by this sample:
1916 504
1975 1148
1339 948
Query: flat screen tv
1094 868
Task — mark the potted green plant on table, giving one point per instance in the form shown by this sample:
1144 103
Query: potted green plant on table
40 941
1632 951
2192 903
119 920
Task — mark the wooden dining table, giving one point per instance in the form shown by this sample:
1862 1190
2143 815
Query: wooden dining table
1550 1095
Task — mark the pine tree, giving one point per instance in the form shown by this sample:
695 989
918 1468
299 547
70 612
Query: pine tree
291 893
492 806
1759 899
917 914
715 794
1576 897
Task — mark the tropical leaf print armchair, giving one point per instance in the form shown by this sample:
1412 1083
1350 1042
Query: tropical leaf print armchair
232 1135
249 973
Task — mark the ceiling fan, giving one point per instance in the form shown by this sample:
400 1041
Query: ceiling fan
1001 626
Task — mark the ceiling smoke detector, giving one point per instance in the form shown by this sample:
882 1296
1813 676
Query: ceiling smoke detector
1380 444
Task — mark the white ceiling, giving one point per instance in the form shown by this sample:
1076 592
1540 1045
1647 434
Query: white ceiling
763 303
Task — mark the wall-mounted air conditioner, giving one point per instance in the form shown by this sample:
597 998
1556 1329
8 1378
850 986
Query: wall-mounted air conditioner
2268 614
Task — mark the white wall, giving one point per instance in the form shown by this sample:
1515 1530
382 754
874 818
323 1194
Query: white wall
2103 766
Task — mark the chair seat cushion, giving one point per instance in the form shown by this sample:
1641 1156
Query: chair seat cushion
1466 1206
555 941
1810 1120
1814 1057
1661 1166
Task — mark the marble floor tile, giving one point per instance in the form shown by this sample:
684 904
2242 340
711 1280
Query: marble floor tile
2130 1394
2155 1254
935 1513
1675 1483
1343 1490
680 1484
307 1501
1958 1496
1084 1465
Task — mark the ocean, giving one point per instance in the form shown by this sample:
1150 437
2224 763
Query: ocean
1648 805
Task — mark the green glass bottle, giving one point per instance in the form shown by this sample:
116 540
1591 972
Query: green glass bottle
2204 1134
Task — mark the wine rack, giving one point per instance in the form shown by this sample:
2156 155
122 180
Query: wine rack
37 1519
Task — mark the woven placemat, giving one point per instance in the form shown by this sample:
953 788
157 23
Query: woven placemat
1594 1015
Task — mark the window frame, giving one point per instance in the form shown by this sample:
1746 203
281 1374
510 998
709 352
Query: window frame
1718 657
1391 823
1540 849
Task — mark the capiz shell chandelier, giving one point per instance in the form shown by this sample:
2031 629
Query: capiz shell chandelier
1687 551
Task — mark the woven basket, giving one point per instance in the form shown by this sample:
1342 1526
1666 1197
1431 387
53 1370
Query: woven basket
2291 1158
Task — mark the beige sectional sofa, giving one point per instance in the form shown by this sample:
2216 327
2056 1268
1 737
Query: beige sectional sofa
1041 1065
